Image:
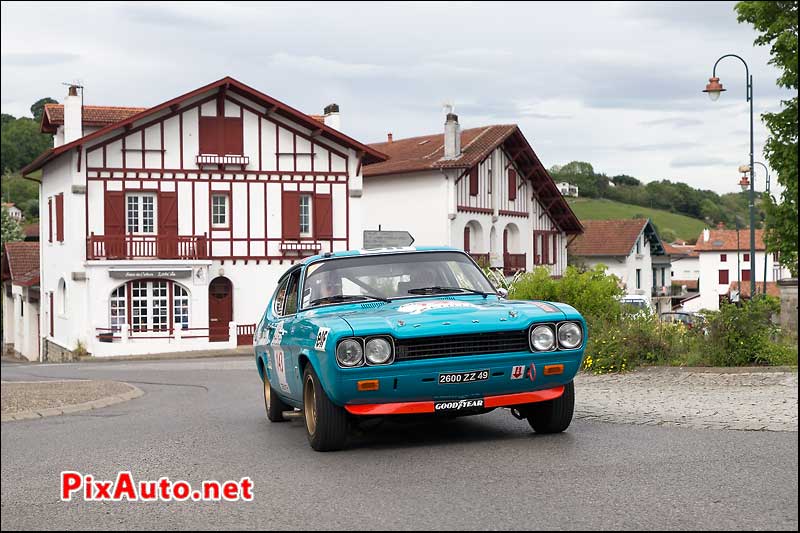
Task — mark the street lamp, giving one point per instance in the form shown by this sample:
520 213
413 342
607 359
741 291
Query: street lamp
744 169
714 89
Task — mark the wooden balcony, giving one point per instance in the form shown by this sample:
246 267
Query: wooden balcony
513 263
146 246
481 259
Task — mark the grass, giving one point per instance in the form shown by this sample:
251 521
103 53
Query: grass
685 228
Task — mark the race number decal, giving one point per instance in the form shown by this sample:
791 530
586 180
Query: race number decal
280 368
322 339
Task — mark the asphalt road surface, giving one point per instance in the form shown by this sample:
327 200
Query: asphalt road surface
204 419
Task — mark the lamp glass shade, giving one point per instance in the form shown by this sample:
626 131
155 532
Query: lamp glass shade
713 95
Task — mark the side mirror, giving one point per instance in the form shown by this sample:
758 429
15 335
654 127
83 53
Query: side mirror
503 293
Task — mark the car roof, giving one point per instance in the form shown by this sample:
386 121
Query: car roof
379 251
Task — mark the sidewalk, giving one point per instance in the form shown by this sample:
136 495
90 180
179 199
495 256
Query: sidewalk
23 400
753 399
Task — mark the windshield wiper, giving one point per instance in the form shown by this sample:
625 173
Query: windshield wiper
438 289
345 297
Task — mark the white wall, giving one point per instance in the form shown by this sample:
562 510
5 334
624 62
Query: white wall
710 265
625 268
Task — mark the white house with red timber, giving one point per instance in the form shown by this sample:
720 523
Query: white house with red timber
165 229
481 189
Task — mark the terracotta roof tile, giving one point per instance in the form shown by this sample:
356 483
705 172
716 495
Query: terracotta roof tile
31 230
691 284
680 249
772 288
607 237
426 152
95 116
21 261
725 240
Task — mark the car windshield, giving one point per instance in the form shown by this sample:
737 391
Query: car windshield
387 276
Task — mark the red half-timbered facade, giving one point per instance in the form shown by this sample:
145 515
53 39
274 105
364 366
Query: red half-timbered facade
204 199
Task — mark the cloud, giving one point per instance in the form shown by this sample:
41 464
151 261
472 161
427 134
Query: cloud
32 59
678 122
159 15
701 161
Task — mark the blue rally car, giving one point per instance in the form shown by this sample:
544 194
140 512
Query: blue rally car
353 335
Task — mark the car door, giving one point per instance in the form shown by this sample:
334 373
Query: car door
281 345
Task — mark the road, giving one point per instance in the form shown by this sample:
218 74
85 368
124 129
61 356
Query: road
204 419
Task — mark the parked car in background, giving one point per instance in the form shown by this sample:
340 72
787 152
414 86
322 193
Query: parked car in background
351 336
690 320
636 304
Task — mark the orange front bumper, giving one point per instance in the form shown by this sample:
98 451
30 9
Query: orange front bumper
408 408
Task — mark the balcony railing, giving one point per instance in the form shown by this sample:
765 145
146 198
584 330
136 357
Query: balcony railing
147 246
513 263
211 159
481 259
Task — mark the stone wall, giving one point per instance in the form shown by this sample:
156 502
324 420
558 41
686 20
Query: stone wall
53 353
788 289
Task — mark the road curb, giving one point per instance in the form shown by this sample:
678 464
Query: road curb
99 403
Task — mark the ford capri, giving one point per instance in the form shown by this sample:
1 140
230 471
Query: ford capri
350 336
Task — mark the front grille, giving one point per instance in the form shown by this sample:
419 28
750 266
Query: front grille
470 344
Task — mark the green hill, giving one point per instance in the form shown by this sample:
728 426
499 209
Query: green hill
685 228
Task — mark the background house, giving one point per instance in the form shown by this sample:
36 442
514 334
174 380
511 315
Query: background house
20 279
14 212
167 230
482 189
632 251
567 189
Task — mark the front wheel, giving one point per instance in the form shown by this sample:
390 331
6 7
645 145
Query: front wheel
553 416
326 422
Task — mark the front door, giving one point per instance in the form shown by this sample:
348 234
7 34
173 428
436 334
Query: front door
220 309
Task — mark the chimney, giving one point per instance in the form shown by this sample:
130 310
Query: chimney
389 137
73 120
706 235
452 137
331 113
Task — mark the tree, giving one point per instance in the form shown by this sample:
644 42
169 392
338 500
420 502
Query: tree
6 118
10 230
777 24
21 142
624 179
37 109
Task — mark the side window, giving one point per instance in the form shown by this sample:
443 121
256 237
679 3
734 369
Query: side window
280 298
290 307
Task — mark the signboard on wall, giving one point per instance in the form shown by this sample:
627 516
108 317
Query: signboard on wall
165 273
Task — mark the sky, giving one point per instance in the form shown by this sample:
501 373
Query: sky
615 84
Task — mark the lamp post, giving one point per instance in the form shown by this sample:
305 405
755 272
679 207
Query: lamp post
743 183
714 89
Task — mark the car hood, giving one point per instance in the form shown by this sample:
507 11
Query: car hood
452 316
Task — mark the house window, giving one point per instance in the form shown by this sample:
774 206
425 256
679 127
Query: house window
638 278
62 297
466 239
149 305
141 213
746 275
305 215
220 207
723 258
746 258
180 307
118 308
723 277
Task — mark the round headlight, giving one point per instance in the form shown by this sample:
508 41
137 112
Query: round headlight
543 338
349 353
570 335
379 351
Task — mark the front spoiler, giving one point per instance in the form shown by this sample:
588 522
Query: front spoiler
408 408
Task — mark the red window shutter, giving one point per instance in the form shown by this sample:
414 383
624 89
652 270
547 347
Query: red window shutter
167 224
723 257
290 209
234 143
535 248
52 329
554 258
50 219
114 224
208 135
545 249
512 184
505 241
746 258
323 216
60 217
473 181
746 275
723 277
466 239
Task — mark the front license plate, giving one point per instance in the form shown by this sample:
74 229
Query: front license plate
463 377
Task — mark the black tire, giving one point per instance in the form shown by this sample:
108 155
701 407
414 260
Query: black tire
553 416
326 423
273 405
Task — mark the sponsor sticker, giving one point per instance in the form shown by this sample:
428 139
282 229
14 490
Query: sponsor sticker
322 339
416 308
518 372
547 308
457 405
